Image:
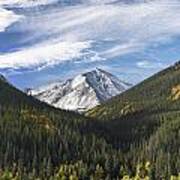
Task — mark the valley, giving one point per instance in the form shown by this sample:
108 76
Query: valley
133 135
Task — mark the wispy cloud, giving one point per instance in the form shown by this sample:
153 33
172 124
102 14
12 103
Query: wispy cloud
43 55
127 28
26 3
150 65
7 17
122 49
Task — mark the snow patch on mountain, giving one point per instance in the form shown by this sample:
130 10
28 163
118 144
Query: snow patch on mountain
82 92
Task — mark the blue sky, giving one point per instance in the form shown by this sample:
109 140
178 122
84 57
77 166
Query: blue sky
48 40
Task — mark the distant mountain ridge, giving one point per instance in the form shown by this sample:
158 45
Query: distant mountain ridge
82 92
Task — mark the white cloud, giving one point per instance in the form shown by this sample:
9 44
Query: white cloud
122 49
150 65
7 18
145 23
131 28
43 55
99 1
26 3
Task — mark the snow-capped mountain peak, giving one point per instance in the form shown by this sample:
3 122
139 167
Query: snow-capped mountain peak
82 92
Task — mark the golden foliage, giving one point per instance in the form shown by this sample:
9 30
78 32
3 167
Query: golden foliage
41 120
128 108
175 93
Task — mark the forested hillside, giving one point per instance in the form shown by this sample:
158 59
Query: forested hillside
146 117
39 141
135 135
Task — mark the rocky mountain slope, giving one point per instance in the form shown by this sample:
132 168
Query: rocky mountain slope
82 92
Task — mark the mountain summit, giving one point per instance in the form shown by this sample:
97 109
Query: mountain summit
82 92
